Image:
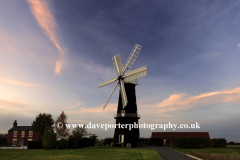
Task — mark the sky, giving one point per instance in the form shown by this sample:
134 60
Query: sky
54 54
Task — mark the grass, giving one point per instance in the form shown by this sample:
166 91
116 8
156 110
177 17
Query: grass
89 153
213 153
235 146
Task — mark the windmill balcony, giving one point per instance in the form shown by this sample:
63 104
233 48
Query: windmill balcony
127 115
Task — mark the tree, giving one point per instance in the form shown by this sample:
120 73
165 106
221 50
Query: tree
49 139
60 126
42 123
3 138
79 132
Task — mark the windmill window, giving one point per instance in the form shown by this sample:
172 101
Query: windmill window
123 113
121 138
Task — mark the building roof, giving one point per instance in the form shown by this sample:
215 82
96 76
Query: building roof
180 135
21 128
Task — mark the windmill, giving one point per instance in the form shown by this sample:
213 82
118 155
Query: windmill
127 106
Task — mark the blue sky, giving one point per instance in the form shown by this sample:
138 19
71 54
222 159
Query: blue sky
54 55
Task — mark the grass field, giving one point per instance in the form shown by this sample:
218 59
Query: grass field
228 151
89 153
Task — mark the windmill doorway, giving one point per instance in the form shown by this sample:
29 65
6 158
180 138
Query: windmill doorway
121 138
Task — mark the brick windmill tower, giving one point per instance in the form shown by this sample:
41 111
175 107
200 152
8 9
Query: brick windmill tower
127 106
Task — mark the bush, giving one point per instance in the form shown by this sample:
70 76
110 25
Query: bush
35 145
230 143
49 139
144 141
72 142
220 142
191 142
85 142
63 144
108 141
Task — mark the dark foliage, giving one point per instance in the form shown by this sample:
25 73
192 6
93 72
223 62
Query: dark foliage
220 142
3 139
191 142
63 144
73 142
85 142
144 142
108 141
35 145
49 139
42 123
230 143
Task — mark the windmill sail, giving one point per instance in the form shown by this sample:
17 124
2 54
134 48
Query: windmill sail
104 83
110 96
123 94
132 57
129 75
135 74
117 63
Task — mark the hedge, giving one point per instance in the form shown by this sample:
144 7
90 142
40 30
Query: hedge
108 141
35 145
220 142
191 142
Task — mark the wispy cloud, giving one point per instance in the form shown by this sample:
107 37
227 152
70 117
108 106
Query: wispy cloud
180 101
75 105
17 82
40 10
112 107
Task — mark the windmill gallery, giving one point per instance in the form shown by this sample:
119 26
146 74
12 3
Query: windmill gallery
127 106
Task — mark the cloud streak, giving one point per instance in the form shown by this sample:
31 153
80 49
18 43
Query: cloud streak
180 101
17 82
46 21
75 105
112 107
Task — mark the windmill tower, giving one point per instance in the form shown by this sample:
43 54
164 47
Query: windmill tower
127 105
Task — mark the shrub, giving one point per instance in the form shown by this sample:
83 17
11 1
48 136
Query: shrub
72 142
108 141
35 145
62 144
220 142
85 142
191 142
49 139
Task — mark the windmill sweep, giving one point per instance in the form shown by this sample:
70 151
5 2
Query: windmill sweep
127 105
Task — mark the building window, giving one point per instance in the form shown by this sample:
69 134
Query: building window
164 142
15 133
121 138
23 134
14 142
29 139
30 133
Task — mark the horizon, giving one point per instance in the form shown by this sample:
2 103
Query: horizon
54 54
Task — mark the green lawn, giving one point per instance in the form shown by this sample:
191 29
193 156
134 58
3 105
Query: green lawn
226 151
91 153
238 146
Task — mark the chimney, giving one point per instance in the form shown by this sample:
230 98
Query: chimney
15 123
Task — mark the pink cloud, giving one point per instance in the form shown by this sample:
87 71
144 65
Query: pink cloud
75 105
17 82
180 101
41 11
112 107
